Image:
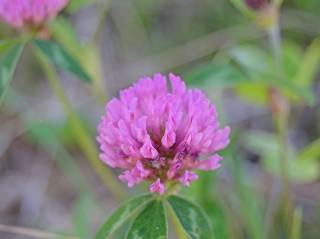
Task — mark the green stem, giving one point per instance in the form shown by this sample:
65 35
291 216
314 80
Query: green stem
282 128
280 117
97 85
296 224
105 7
285 203
96 73
177 226
274 35
82 136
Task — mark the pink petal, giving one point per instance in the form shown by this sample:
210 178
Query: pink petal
178 86
188 177
221 139
157 187
173 170
135 175
129 177
169 137
148 151
108 160
210 164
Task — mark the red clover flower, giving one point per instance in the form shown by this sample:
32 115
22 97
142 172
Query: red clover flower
161 134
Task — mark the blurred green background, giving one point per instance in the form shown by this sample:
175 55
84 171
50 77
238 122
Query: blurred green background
261 71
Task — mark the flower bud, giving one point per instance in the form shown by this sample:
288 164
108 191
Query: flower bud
257 4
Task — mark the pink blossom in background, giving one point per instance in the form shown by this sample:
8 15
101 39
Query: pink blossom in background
34 13
257 4
161 133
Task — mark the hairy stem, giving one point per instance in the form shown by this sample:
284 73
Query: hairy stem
83 138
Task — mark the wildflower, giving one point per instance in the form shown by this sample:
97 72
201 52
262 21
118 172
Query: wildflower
161 134
30 13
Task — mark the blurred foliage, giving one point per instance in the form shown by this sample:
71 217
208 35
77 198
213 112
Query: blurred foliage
299 170
241 199
61 58
8 65
75 5
251 71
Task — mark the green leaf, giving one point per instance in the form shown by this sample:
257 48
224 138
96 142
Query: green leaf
293 90
259 66
151 223
75 5
86 54
215 75
291 58
309 65
119 216
82 208
311 151
308 6
252 59
6 44
63 31
61 58
245 203
299 170
241 6
7 67
203 191
192 218
255 92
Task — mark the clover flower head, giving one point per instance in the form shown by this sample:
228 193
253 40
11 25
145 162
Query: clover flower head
29 13
161 133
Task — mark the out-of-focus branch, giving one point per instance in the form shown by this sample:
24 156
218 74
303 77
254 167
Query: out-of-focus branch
193 50
105 7
206 45
84 140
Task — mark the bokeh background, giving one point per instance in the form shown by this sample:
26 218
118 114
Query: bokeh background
47 184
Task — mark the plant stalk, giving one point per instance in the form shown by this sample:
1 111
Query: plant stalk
82 136
279 104
296 224
280 112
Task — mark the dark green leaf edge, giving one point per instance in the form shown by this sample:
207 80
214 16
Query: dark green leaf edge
12 56
216 75
164 213
6 44
109 226
67 62
203 214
